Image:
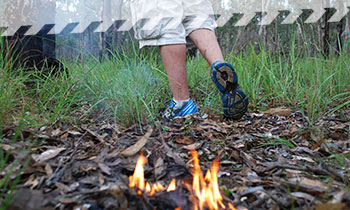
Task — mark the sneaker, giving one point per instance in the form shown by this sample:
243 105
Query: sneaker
234 101
185 110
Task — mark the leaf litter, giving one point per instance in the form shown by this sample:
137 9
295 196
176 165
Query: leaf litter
269 160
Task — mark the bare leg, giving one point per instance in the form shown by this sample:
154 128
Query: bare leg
174 59
207 44
234 101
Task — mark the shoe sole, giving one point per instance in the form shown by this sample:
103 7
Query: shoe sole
234 101
235 104
224 77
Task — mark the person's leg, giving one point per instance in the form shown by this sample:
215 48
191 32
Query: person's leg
234 100
174 60
206 41
165 29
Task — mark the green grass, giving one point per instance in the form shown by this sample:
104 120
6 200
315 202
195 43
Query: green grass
275 141
43 99
11 82
35 96
55 97
131 87
310 84
126 88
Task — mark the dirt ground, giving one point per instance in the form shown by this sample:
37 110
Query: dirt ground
268 160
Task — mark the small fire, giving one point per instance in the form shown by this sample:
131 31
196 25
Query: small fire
172 186
137 180
205 191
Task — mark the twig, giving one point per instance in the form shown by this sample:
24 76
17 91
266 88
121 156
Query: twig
320 171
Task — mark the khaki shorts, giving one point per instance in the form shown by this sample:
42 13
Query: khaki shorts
163 22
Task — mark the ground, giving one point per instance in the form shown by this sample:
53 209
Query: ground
270 159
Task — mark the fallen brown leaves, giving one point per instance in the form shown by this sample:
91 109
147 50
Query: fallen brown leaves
270 160
134 149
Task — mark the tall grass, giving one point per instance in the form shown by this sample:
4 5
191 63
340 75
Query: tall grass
54 95
11 95
132 87
311 84
125 87
41 96
11 81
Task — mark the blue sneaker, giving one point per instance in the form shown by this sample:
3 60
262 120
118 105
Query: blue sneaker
185 110
234 101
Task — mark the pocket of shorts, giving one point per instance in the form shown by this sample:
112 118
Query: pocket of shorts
154 33
141 11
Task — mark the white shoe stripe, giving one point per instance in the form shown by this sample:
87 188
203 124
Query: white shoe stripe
184 111
190 109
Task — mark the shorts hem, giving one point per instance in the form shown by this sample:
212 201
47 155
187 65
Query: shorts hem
204 27
160 42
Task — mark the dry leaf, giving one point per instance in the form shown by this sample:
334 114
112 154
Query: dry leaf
227 162
249 160
32 182
101 179
159 167
104 168
62 187
75 133
339 196
47 155
308 159
309 185
48 170
194 146
92 180
65 188
279 111
303 195
6 147
64 136
98 137
134 149
56 132
314 183
330 206
185 140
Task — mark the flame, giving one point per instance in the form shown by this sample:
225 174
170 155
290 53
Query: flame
138 179
172 186
155 188
206 192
